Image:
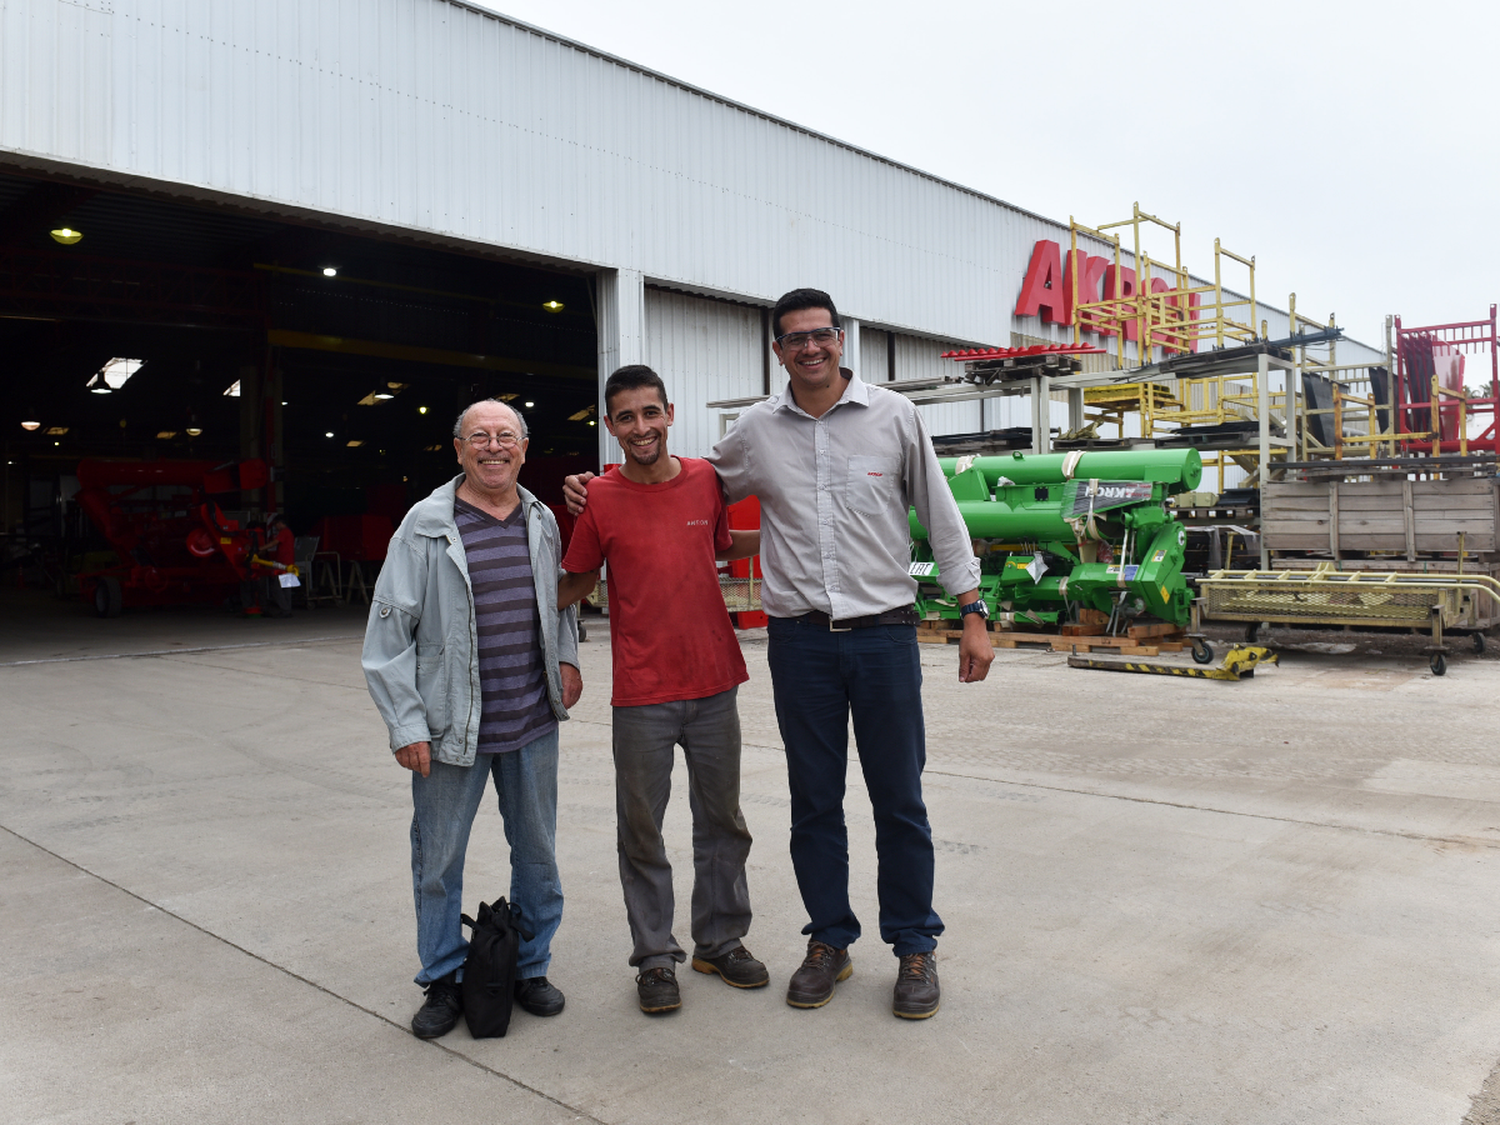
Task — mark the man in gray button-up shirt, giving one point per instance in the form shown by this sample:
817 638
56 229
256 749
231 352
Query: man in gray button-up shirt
837 464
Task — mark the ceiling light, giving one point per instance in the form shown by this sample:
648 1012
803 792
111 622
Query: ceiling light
329 271
353 444
114 375
328 433
384 396
31 426
166 435
581 415
233 390
194 431
421 410
529 405
56 431
592 422
553 306
66 235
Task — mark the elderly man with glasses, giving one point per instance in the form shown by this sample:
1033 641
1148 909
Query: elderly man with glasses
838 465
472 666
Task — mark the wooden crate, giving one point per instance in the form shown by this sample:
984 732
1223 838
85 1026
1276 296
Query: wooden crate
1413 517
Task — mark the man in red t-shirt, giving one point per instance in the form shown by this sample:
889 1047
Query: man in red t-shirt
660 523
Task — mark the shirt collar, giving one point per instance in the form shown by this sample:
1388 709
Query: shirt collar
856 392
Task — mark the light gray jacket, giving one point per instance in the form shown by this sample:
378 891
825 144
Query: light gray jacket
421 644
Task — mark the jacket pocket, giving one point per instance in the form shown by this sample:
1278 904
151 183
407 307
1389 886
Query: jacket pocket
433 686
874 484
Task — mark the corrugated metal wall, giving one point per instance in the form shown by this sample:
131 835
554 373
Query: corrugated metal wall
431 116
434 117
703 350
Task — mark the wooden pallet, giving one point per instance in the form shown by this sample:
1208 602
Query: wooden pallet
1138 640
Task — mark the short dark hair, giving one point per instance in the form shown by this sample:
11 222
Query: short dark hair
458 423
799 299
629 378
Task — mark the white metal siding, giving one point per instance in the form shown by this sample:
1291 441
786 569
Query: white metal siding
433 117
703 350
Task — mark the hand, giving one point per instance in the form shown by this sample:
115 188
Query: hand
975 653
576 491
417 757
572 684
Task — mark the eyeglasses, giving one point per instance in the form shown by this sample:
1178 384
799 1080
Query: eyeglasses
505 439
796 341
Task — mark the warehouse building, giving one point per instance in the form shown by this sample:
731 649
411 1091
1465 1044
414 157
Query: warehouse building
314 230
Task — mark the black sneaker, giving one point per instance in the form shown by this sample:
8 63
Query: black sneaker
538 997
811 985
917 992
737 967
438 1015
658 992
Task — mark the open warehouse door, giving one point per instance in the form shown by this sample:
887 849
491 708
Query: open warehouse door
140 328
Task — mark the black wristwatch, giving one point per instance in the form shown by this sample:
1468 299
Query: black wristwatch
974 607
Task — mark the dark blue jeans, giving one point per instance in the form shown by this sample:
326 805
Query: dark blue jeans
820 678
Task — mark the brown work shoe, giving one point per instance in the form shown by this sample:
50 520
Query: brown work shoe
658 992
917 991
737 967
811 986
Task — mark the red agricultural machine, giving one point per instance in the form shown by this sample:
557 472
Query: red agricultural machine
173 543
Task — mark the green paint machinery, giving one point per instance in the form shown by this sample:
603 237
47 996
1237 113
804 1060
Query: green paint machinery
1060 533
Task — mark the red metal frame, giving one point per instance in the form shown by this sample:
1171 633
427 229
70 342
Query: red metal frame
1015 353
1428 351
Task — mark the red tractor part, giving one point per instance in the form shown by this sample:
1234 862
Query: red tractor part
173 543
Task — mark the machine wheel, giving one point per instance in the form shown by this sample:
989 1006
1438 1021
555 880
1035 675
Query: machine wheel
1252 632
583 631
1203 652
107 598
1438 664
1479 643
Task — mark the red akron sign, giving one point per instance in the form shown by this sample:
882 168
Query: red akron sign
1048 289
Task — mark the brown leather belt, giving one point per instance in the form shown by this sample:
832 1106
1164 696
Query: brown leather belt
906 615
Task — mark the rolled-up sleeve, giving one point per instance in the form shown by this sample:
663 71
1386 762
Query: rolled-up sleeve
937 511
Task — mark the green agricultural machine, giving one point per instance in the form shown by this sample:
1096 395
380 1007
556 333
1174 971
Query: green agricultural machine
1061 533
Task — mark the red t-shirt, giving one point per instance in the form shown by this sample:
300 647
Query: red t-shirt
672 637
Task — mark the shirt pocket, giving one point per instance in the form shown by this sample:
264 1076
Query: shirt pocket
874 486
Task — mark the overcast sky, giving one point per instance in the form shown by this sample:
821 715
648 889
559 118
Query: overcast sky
1350 147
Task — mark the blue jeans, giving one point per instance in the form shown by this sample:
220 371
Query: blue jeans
444 804
820 678
645 744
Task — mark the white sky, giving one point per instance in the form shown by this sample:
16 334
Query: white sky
1350 147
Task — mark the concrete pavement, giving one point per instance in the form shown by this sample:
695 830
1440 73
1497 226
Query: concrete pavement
1167 900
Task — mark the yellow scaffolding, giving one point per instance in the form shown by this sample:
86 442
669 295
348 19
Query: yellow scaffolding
1176 317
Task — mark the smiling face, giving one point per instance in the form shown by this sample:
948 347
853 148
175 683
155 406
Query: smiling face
812 367
492 467
639 419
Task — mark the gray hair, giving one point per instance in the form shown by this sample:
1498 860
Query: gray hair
458 423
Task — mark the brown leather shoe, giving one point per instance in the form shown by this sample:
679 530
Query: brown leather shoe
811 986
658 992
737 967
917 992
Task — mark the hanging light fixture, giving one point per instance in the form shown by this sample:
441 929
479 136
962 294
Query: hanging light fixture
67 236
29 426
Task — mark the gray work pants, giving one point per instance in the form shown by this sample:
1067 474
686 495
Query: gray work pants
708 730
